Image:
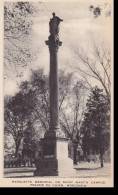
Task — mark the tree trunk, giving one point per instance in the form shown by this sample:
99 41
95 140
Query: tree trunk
101 158
17 148
75 153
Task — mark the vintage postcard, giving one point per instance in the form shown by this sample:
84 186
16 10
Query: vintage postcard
56 99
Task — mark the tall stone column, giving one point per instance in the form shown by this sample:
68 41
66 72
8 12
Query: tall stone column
53 45
53 82
48 164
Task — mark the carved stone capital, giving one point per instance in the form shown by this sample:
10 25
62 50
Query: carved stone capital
53 43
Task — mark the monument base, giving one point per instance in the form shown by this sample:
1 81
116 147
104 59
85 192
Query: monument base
47 167
47 164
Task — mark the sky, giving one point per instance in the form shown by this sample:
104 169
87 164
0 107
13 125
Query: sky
78 30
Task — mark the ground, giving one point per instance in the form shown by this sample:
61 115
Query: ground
65 166
82 170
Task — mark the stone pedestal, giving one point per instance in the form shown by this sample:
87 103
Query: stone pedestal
47 164
47 167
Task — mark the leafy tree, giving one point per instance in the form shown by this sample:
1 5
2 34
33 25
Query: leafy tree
17 35
17 114
16 18
97 11
96 124
31 104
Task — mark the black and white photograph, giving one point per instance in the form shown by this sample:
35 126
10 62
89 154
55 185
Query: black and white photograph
57 93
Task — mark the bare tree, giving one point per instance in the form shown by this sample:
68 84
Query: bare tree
96 65
72 110
65 82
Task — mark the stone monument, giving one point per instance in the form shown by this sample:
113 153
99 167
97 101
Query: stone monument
47 164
